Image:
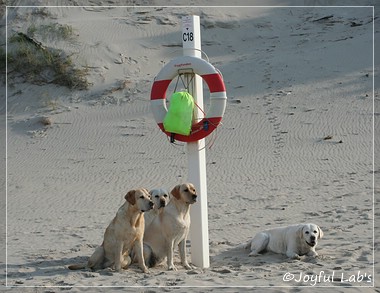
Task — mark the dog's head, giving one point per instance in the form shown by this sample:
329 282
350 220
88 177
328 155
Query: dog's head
310 233
185 192
140 198
160 198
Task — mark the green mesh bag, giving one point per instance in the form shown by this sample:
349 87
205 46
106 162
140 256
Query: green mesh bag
179 118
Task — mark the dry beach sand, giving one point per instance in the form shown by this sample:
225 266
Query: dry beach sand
296 145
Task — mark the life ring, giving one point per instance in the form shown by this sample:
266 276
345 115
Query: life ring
218 96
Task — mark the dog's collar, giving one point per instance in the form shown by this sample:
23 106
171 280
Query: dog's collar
312 245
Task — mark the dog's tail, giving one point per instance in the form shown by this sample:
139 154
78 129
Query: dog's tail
79 266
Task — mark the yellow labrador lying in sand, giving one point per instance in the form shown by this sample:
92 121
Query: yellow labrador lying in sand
170 229
124 233
160 198
293 241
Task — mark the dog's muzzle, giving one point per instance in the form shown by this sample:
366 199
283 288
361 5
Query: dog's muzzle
193 198
313 243
151 205
162 204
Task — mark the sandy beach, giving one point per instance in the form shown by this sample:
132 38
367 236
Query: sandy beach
296 144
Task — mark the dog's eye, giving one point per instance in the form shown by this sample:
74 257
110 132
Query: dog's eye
307 232
186 190
142 196
156 196
315 232
165 195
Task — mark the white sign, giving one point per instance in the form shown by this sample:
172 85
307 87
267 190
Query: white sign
191 32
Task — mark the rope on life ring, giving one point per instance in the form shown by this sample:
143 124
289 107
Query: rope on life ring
218 96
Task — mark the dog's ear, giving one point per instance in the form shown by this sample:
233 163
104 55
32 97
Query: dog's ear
320 232
130 197
176 192
299 232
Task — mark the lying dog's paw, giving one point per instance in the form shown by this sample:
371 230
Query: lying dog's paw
312 254
293 255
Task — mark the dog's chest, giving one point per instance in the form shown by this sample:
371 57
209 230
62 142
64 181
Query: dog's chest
181 228
179 235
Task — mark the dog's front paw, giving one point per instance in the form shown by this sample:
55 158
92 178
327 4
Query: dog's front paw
117 268
188 266
312 254
172 267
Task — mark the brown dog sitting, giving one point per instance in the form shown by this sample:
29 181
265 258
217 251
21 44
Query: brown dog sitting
124 233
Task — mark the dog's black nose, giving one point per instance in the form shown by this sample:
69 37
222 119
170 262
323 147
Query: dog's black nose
151 204
312 238
195 196
162 203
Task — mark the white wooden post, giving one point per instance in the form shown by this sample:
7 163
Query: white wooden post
191 42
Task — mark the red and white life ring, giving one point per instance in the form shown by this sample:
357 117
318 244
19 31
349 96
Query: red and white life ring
218 96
